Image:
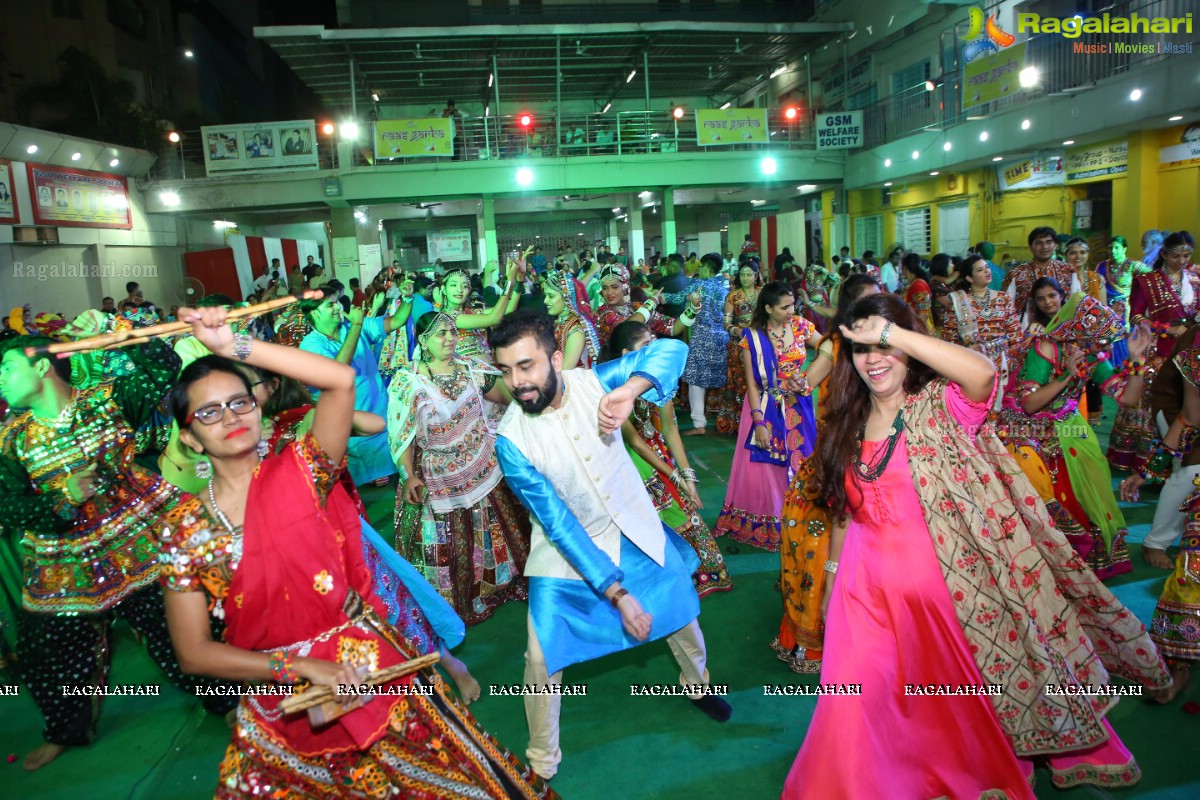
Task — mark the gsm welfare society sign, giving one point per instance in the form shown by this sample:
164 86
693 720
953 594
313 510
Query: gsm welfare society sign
840 131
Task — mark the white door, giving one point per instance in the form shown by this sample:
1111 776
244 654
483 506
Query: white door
954 229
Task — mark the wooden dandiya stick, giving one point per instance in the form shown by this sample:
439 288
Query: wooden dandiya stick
318 695
108 341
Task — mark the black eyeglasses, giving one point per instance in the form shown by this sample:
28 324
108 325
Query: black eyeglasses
214 412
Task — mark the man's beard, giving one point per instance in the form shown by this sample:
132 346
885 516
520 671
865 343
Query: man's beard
541 401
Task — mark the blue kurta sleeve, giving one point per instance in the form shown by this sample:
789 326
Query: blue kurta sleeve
537 494
661 362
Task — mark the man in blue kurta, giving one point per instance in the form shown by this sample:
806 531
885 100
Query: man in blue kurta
604 573
354 341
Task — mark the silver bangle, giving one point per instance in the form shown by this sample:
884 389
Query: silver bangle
241 346
831 567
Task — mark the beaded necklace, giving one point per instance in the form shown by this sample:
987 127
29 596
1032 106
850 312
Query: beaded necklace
235 534
871 472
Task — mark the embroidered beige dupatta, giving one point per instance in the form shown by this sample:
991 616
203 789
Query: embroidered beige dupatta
1034 615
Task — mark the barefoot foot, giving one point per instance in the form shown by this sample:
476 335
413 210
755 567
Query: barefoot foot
695 432
42 756
1180 677
1158 558
468 688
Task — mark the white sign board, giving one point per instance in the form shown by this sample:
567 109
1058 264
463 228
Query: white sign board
449 245
840 130
258 147
370 262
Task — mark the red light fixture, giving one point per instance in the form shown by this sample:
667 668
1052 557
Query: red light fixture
526 120
327 129
173 137
677 112
791 112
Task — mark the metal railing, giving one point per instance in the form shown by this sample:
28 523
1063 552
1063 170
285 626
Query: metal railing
1061 70
624 133
625 11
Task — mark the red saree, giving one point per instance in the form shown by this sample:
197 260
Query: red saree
303 576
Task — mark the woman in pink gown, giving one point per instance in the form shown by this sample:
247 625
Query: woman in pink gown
942 528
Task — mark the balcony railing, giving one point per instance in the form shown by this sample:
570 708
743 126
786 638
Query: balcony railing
624 133
1061 71
503 138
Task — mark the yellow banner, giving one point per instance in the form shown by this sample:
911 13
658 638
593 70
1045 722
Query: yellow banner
993 77
414 138
1018 173
1097 162
731 126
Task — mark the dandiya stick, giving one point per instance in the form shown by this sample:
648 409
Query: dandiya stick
109 341
317 695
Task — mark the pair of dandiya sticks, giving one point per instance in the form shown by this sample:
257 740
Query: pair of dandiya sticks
127 338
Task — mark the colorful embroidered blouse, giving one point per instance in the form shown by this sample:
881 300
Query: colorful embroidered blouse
992 324
196 550
793 358
472 343
1154 298
919 297
563 328
87 558
1022 277
609 317
1119 280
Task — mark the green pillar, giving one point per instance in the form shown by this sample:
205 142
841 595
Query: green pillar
344 263
486 221
669 238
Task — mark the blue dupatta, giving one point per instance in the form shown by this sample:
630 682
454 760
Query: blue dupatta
766 374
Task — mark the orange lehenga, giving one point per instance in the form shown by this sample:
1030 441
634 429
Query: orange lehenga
805 537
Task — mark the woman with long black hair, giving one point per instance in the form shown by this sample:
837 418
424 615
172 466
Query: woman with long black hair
947 571
778 428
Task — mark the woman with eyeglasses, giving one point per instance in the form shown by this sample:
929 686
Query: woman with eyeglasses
273 545
456 520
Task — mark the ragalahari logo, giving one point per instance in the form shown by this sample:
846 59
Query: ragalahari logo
985 38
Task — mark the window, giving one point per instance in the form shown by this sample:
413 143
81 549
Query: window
68 9
868 235
912 230
910 77
864 98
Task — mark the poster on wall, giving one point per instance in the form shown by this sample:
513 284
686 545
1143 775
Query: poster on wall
8 194
260 146
449 245
1184 154
414 138
731 126
78 198
1097 162
993 77
1031 173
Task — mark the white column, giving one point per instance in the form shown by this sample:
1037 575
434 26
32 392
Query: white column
637 241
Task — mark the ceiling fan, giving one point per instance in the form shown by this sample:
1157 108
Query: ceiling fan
567 198
419 56
580 49
422 206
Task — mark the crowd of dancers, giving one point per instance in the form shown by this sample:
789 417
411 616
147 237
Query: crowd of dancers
913 438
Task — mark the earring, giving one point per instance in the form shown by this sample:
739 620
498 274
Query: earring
264 447
203 469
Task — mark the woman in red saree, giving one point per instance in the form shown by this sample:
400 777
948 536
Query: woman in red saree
275 549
